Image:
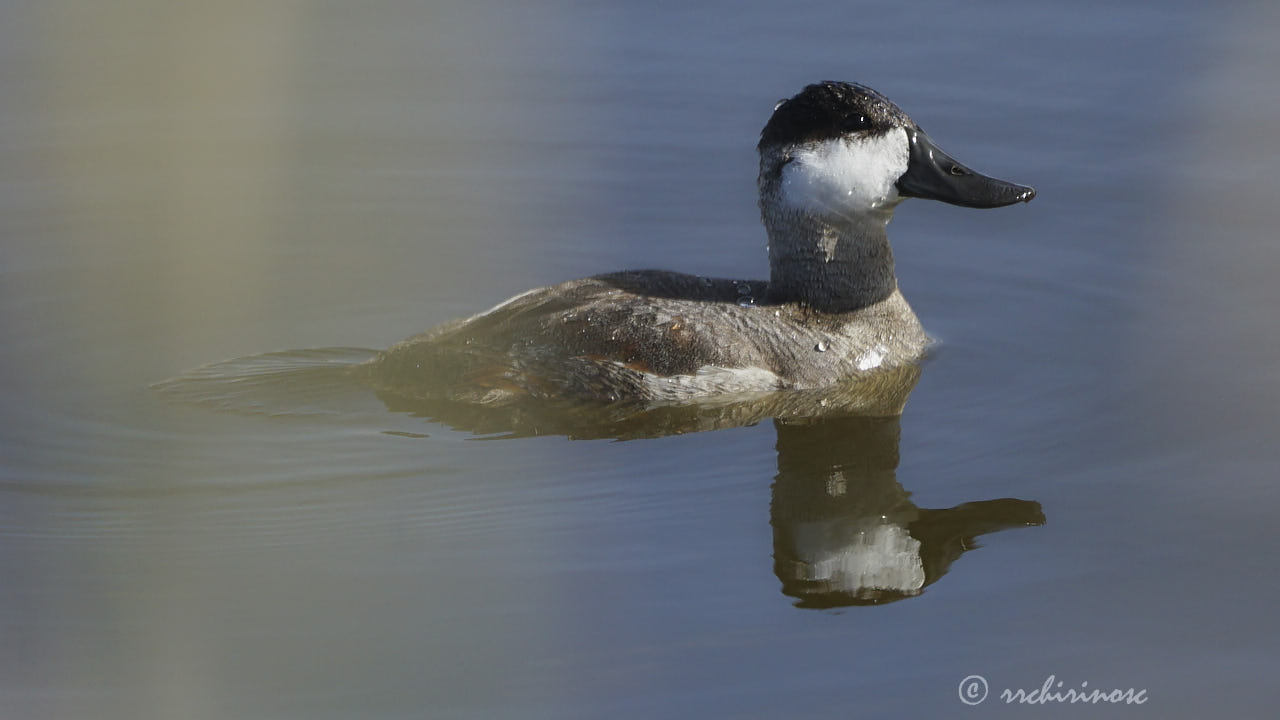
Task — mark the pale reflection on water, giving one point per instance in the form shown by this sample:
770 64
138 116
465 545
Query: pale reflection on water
845 531
182 186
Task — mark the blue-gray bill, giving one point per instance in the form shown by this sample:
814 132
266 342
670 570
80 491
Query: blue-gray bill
935 175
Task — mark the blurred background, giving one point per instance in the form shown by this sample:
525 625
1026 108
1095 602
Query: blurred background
184 185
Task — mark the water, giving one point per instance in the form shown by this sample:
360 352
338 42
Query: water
179 187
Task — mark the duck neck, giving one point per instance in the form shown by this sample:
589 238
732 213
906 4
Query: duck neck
833 265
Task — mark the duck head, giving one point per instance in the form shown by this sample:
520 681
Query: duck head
844 150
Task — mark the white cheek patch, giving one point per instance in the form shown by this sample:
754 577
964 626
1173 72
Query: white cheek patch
881 557
847 176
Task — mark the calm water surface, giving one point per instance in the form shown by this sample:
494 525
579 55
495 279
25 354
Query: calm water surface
177 188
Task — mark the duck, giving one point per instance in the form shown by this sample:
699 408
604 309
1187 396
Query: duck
835 161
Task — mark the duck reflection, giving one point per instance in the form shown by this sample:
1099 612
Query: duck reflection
845 531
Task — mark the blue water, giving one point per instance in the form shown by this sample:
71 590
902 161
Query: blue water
178 187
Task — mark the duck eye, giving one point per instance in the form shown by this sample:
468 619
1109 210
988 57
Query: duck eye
857 122
958 171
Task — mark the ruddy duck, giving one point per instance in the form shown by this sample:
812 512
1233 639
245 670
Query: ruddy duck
835 161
